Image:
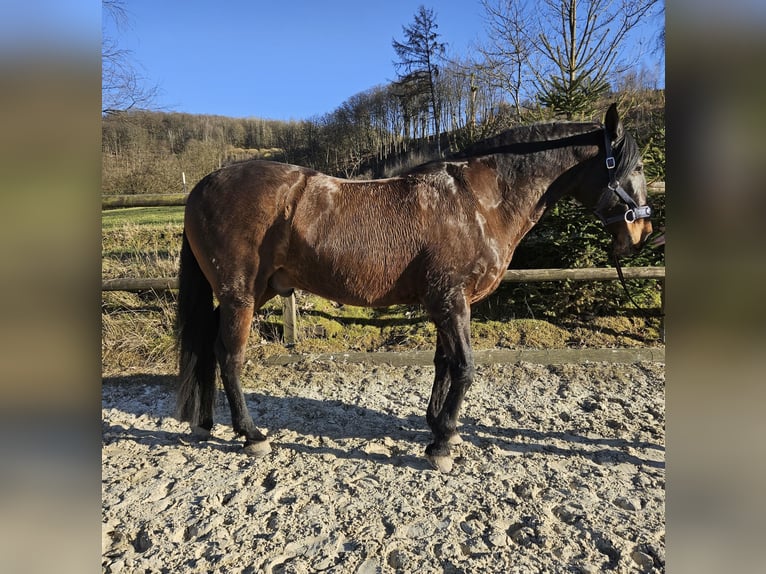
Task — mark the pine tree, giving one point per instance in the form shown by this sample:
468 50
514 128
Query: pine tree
418 66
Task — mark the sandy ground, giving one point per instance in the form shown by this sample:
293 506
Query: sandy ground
561 470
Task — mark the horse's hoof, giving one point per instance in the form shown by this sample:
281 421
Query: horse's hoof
257 449
455 440
441 463
200 433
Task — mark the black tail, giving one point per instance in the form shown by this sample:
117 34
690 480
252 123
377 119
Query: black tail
196 331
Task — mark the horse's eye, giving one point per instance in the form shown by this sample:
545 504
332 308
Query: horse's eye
639 169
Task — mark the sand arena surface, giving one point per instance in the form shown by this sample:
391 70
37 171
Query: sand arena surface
561 470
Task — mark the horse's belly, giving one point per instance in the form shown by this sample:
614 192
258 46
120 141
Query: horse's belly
352 284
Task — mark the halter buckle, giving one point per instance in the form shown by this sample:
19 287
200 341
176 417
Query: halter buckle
643 212
610 163
640 212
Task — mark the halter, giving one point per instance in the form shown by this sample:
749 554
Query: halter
634 211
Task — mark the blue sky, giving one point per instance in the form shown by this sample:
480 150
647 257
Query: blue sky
278 60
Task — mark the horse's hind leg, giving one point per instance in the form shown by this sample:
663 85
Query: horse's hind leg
454 374
235 322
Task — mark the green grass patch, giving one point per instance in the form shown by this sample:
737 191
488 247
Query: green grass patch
141 241
146 216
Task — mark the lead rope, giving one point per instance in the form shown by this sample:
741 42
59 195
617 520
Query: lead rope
633 209
618 267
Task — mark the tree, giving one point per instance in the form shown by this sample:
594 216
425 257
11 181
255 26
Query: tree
122 87
419 56
571 49
508 48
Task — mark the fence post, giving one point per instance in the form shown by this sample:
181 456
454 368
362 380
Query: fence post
662 311
289 319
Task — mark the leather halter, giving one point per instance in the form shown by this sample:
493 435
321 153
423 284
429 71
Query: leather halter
634 211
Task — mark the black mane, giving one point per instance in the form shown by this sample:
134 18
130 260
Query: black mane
522 139
532 133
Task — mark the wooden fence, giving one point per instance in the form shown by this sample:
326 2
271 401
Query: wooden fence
511 275
289 309
142 200
289 313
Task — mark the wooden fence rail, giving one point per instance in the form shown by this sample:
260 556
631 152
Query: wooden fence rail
512 276
142 200
289 314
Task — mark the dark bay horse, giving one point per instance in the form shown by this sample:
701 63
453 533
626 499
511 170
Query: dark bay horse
441 236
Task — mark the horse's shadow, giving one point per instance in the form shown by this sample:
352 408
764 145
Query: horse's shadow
304 425
331 422
596 449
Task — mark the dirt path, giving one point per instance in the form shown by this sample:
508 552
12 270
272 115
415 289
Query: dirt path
562 470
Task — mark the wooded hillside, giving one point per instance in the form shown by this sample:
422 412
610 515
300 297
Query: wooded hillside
369 135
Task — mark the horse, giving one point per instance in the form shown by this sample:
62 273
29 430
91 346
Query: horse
440 235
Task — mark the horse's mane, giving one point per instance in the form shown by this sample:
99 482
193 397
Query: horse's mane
626 152
531 133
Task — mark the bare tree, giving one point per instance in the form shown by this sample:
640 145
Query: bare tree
508 49
122 87
569 49
419 57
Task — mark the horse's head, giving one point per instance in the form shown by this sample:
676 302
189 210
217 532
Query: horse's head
621 205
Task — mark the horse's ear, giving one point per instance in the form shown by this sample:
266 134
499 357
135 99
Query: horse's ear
613 123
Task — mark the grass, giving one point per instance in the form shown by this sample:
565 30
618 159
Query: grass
114 219
137 328
141 242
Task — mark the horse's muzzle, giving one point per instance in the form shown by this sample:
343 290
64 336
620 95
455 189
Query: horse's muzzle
631 238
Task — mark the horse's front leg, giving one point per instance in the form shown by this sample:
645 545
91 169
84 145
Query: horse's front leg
440 389
233 333
454 368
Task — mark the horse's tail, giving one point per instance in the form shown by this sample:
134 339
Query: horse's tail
196 331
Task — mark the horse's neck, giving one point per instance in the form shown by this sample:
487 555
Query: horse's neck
535 182
551 174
